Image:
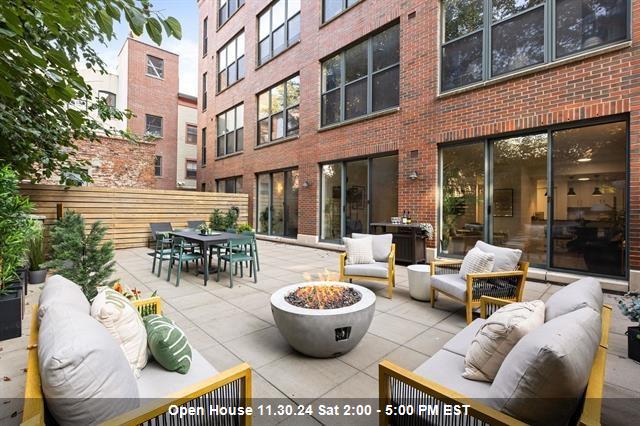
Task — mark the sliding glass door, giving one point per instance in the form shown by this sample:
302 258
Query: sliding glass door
559 195
277 203
355 193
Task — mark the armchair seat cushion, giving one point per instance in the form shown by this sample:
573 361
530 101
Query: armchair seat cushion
460 343
156 382
446 368
377 270
452 284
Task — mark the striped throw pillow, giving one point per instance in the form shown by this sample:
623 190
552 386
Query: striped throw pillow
359 250
476 261
168 344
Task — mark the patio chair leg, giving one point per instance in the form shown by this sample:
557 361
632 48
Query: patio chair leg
231 275
390 289
153 266
218 272
179 272
255 272
241 270
432 297
159 265
186 263
169 269
469 314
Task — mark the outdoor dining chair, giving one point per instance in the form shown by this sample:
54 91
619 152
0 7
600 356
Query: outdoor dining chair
159 228
237 251
194 224
181 253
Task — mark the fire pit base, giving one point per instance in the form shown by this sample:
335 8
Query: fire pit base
323 333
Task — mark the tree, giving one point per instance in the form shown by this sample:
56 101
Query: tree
41 43
80 256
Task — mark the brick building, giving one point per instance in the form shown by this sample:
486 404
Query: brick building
146 82
515 123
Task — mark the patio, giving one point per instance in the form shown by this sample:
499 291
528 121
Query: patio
230 325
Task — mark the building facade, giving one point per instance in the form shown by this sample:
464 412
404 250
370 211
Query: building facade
511 122
146 82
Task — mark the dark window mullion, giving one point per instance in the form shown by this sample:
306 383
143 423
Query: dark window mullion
342 85
515 15
270 114
486 40
369 75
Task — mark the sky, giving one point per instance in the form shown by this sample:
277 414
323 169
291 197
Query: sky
186 12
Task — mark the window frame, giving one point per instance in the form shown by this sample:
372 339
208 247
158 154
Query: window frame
146 125
204 91
240 3
203 147
205 36
488 24
368 77
157 165
186 134
284 111
239 77
234 131
158 74
105 95
287 44
345 7
234 179
186 168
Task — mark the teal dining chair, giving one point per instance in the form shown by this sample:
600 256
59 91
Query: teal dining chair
180 253
236 252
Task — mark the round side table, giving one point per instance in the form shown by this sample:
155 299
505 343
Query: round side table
419 281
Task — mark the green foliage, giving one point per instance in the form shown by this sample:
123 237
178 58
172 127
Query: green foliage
629 305
244 227
81 256
36 247
217 221
41 41
231 218
14 227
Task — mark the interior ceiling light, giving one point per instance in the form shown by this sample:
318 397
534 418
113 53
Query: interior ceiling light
596 192
584 160
571 192
584 179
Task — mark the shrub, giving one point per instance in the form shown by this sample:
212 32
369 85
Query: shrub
217 221
244 227
231 218
36 248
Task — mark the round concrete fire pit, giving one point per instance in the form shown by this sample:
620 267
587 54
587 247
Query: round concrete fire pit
323 333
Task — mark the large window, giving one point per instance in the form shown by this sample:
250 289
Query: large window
331 8
205 36
204 91
362 79
230 130
231 62
153 125
521 34
155 66
204 147
570 216
277 203
226 9
279 27
231 185
192 134
191 171
157 165
355 193
279 111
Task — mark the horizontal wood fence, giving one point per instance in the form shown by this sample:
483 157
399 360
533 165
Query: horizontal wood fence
128 212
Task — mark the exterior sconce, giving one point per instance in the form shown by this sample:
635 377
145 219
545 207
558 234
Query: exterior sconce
306 184
413 175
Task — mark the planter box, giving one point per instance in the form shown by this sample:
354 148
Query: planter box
633 336
11 314
37 277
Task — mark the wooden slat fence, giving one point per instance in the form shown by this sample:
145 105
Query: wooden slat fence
128 212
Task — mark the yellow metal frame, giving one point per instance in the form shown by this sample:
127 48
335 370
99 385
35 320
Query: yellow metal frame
470 304
391 276
33 412
591 410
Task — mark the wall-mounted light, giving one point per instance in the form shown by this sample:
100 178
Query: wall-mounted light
413 175
306 184
596 192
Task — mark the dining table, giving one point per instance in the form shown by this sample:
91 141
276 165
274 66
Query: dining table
205 242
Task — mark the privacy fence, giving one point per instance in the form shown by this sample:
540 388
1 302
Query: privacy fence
128 212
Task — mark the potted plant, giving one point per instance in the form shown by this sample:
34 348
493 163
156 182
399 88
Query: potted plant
37 270
14 228
629 305
204 229
244 227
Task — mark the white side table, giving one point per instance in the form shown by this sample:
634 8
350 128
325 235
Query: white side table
419 281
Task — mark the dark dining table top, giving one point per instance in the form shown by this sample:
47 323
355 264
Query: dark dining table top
219 237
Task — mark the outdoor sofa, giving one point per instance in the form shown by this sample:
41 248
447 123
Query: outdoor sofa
157 388
553 375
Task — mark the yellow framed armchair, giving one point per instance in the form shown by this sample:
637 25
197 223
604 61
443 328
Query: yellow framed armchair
445 278
232 384
384 272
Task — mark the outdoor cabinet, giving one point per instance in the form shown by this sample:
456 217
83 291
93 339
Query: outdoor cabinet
408 238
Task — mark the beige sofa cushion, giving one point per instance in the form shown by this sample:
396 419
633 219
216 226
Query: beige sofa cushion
359 250
506 259
381 245
445 368
460 343
544 376
377 269
122 320
86 378
585 292
498 335
452 284
59 291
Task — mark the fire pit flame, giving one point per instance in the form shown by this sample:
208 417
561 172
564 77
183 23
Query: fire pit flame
323 297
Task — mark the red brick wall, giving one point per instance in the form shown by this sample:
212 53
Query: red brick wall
594 87
150 95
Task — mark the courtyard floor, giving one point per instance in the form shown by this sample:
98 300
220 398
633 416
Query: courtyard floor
231 325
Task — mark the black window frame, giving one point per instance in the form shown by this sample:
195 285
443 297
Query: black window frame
194 174
228 16
239 75
195 135
287 43
368 78
486 30
203 148
226 133
157 165
204 91
284 112
205 36
107 95
146 125
344 7
159 72
222 184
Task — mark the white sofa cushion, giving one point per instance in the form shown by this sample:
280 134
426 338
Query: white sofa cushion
452 284
381 245
445 368
585 292
476 261
116 313
86 378
459 344
544 376
59 291
377 269
497 337
506 259
156 382
359 250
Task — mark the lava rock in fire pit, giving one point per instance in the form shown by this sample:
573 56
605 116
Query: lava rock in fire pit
323 297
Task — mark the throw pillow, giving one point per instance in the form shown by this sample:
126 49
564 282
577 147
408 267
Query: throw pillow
476 262
381 245
168 344
506 259
498 335
359 250
116 313
585 292
60 291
